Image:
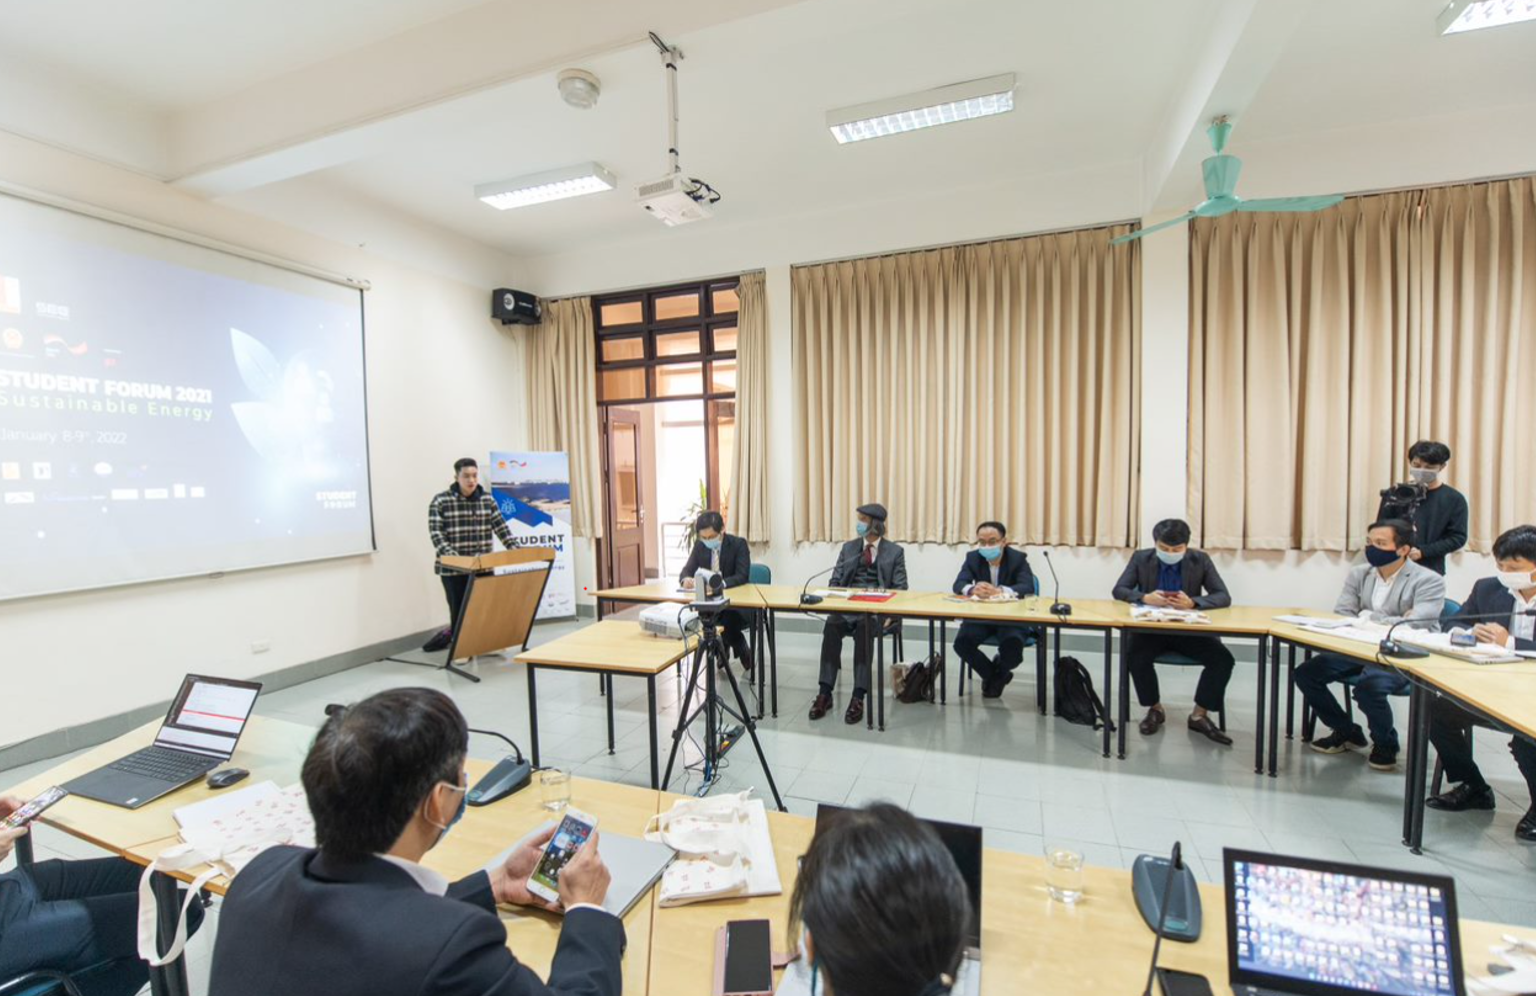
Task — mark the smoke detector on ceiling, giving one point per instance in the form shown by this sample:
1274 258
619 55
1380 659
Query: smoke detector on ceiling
579 88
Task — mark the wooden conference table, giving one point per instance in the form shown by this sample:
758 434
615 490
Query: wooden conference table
1030 943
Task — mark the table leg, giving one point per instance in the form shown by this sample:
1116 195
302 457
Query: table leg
23 852
1418 766
1109 706
773 657
1040 670
1290 693
1415 703
755 655
1274 703
608 684
1124 715
533 716
169 980
880 672
943 659
650 694
1258 746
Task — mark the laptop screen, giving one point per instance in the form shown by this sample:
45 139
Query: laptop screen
208 715
1322 928
964 844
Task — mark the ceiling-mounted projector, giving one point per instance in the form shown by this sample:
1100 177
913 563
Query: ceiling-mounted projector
675 198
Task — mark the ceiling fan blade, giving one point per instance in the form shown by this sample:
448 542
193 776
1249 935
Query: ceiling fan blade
1152 228
1291 203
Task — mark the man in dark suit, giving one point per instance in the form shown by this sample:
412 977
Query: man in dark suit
360 916
726 555
1450 726
871 561
1440 524
1171 575
993 568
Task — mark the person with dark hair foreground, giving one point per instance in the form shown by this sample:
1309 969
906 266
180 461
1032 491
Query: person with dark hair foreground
728 556
1450 726
360 916
460 523
879 908
1171 575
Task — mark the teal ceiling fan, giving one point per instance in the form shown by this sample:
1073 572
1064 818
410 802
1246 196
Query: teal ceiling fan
1221 172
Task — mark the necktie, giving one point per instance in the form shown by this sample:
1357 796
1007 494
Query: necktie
869 555
714 561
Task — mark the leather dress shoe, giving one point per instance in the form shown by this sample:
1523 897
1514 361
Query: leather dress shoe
855 713
1207 728
439 641
1462 798
1152 722
992 688
821 705
1526 829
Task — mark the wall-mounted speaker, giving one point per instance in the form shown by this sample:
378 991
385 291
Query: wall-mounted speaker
514 307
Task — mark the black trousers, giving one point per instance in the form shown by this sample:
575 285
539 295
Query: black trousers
837 629
1010 648
733 630
455 586
1450 730
1142 648
79 917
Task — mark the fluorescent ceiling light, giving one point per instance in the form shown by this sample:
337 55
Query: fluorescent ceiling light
942 105
553 185
1470 15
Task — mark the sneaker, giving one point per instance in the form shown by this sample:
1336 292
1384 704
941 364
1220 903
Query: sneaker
1382 758
1461 798
1338 743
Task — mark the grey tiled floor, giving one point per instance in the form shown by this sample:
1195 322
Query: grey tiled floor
1024 778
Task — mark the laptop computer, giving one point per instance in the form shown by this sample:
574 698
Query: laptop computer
1299 927
199 733
634 865
964 844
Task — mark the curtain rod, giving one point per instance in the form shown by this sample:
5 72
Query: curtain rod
1095 226
176 234
646 287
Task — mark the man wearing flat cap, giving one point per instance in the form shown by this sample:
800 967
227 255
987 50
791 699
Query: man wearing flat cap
871 561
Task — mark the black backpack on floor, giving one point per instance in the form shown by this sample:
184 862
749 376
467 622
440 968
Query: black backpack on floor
922 677
1076 701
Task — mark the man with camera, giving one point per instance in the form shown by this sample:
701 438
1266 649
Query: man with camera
1437 510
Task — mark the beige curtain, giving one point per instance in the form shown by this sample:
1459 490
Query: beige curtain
1322 345
748 472
562 402
993 381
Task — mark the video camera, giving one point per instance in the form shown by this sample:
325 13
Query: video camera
1402 501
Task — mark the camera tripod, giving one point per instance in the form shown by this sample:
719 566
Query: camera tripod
708 658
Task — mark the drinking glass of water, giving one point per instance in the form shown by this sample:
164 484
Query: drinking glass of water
1063 873
556 787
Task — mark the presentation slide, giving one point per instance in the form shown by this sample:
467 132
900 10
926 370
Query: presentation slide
168 410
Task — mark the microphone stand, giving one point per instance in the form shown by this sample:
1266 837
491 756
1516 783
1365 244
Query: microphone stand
815 599
1058 607
1175 862
1391 648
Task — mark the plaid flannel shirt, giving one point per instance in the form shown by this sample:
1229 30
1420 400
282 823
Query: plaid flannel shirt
462 527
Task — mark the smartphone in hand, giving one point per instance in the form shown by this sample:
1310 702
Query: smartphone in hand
32 810
570 836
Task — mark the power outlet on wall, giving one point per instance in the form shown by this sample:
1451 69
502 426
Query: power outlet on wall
260 646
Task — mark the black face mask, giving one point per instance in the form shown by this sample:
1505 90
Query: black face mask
1377 557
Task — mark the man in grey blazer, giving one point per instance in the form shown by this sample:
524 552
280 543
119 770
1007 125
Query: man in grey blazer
1388 588
871 561
1171 575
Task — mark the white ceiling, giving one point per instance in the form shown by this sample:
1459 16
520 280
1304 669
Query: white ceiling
407 104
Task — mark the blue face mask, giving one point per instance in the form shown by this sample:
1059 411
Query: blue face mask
1377 557
861 528
458 814
1169 558
711 544
990 552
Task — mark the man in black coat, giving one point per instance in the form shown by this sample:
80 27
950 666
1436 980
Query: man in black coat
1171 575
1490 612
871 561
993 568
360 916
1440 522
728 556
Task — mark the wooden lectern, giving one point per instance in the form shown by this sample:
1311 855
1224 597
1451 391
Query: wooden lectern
503 596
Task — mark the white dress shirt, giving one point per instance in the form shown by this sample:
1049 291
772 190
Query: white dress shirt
1522 627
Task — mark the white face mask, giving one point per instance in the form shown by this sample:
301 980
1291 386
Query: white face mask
1423 475
1516 580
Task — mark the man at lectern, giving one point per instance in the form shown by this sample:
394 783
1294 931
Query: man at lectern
461 522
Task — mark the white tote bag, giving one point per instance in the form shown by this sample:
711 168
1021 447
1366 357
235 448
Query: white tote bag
723 846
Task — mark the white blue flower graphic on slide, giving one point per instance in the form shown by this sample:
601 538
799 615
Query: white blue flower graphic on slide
287 422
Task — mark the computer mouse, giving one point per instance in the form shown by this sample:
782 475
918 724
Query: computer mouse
226 777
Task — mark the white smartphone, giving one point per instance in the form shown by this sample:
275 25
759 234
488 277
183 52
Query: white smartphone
570 836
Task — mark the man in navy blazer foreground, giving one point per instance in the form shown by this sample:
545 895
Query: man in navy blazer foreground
360 916
1495 612
993 568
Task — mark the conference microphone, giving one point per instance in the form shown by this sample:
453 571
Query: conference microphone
1391 648
815 599
509 775
1175 863
1058 607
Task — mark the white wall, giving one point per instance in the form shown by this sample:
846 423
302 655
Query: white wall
443 381
968 214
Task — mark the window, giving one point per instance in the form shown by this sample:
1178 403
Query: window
667 343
